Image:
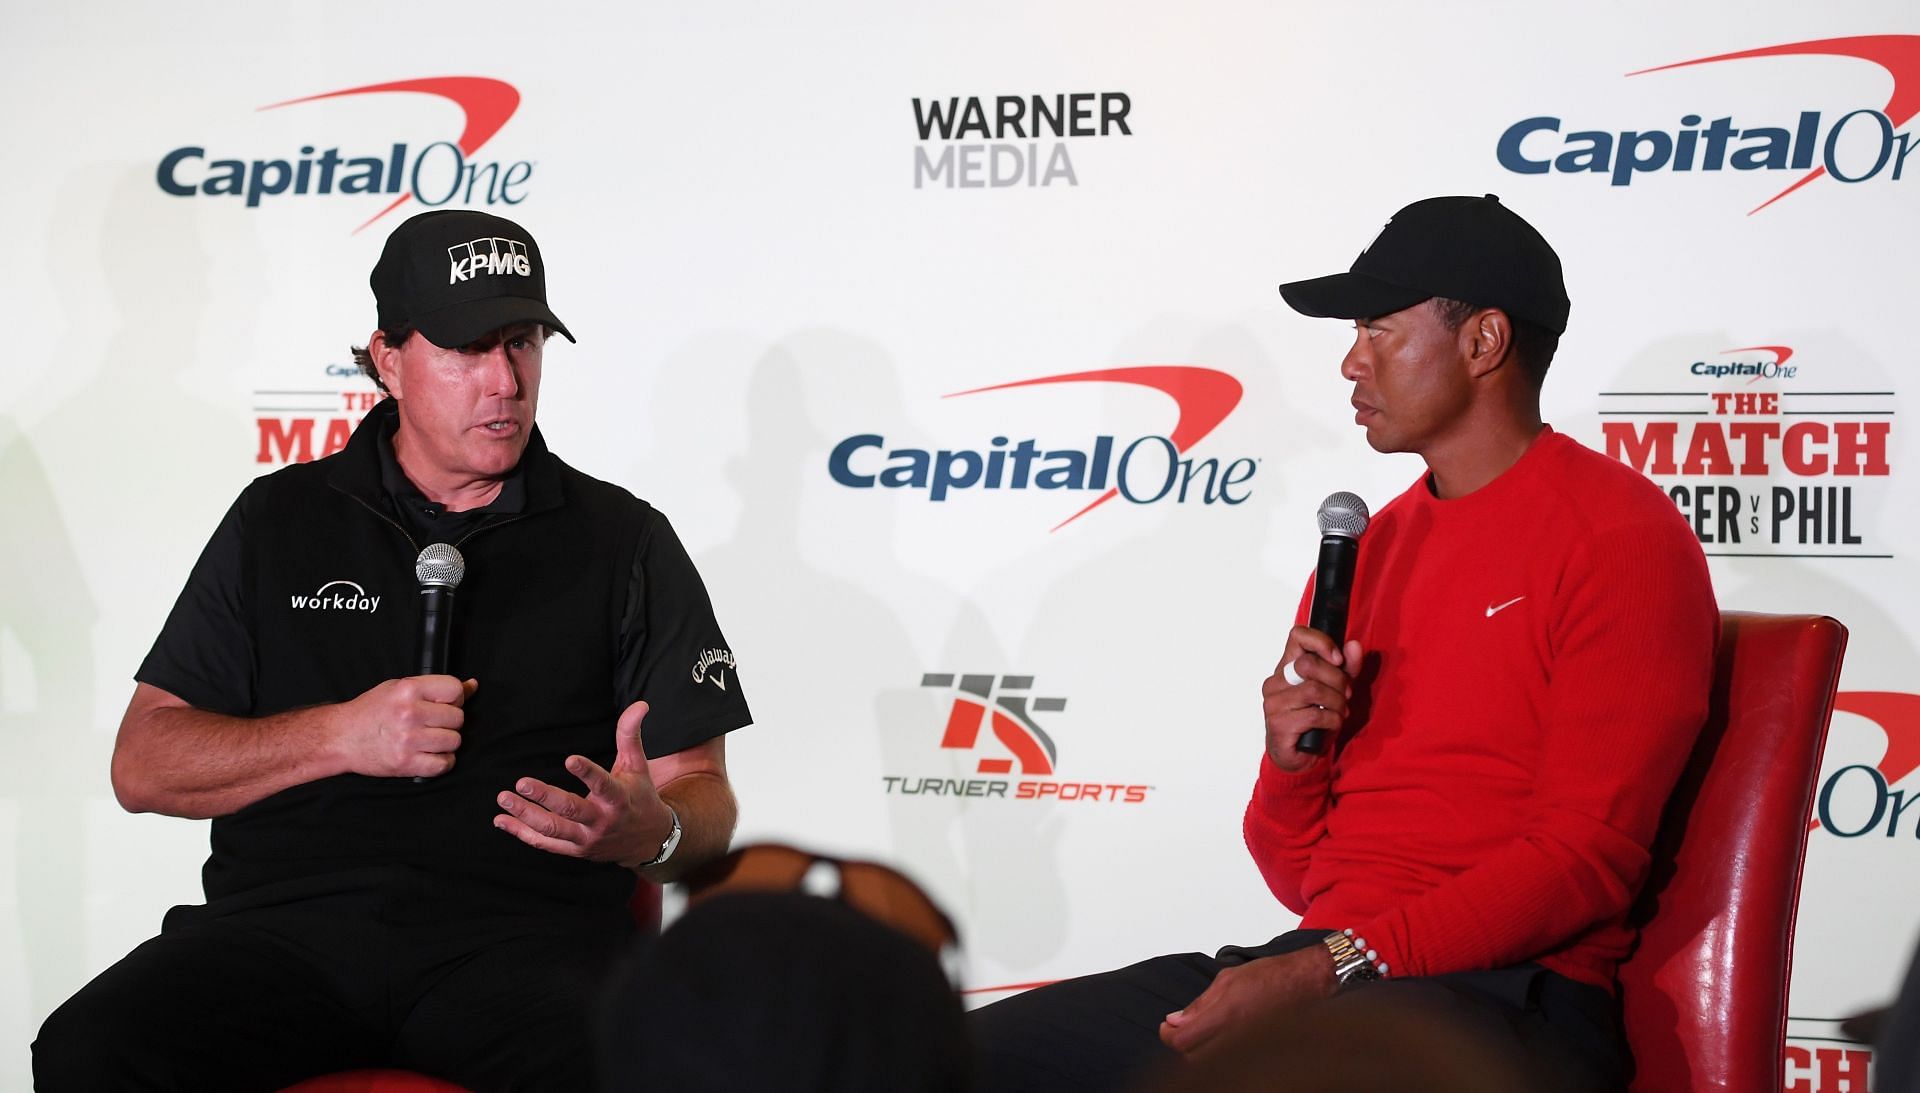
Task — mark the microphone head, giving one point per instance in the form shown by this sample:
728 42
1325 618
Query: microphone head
440 565
1343 514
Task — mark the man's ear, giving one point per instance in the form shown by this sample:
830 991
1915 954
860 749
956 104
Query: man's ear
386 361
1485 339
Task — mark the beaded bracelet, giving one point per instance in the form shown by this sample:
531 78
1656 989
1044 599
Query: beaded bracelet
1352 959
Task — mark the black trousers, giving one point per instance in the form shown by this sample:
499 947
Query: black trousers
378 968
1520 1028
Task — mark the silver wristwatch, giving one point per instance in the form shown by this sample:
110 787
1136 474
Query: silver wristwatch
1351 958
673 842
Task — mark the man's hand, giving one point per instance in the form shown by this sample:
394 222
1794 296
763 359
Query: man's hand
1318 700
404 727
621 819
1249 992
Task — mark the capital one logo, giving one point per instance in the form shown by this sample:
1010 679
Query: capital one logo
1858 799
1860 145
494 256
1003 704
439 173
1145 470
1756 362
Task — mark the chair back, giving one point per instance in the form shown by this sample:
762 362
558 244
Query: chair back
1705 991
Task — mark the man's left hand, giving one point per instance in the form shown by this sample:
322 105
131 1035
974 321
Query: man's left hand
1246 993
621 819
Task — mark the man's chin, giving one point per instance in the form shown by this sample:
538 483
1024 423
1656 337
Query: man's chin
500 457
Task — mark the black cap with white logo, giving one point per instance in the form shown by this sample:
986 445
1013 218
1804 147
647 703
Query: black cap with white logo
1472 249
456 275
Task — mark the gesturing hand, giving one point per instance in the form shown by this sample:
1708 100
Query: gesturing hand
1245 993
621 819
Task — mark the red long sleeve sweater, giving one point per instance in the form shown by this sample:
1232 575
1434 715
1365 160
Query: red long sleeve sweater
1538 660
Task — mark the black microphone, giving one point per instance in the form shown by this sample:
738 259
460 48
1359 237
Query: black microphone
1343 516
439 568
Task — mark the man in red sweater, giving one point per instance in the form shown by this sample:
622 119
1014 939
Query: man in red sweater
1532 631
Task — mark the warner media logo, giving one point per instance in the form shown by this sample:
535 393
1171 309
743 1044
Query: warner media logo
1004 707
1010 129
435 173
1144 470
1860 145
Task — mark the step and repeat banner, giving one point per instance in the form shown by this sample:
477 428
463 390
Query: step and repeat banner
948 338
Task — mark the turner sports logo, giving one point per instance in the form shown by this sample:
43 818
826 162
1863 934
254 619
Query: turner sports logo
1143 470
336 596
1762 471
1003 706
1010 128
1857 146
438 173
1859 799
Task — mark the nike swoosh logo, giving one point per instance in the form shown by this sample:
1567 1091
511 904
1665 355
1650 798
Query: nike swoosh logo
1492 611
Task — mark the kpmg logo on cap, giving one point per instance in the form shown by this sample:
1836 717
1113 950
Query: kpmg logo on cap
1145 470
1020 760
1022 140
492 256
1860 145
441 172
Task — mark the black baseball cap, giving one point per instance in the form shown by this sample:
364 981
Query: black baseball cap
456 275
1464 248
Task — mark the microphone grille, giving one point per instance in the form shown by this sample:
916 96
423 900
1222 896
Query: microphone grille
440 564
1343 513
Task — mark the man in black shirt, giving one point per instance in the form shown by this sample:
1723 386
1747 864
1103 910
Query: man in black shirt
426 871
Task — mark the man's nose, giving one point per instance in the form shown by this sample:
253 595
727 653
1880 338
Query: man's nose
1354 364
503 375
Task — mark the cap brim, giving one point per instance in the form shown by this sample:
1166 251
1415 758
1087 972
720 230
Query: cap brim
1349 296
468 322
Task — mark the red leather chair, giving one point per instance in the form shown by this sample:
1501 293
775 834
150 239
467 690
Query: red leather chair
646 915
1705 993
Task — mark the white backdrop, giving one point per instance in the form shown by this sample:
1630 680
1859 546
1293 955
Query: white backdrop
729 200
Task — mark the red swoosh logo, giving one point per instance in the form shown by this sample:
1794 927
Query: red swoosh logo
486 104
1204 396
1898 716
1780 354
1899 54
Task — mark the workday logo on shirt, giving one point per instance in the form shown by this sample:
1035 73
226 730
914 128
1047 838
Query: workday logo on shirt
337 596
